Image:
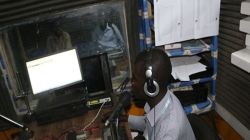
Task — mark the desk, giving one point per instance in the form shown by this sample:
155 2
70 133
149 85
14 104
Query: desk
77 123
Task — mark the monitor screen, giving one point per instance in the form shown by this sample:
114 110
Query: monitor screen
96 74
54 71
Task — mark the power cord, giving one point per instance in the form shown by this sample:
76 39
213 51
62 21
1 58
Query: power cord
86 126
95 116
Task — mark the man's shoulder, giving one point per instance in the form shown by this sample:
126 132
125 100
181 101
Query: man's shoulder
178 124
176 109
51 37
176 103
65 34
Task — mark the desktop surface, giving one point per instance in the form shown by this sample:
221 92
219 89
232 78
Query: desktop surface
60 129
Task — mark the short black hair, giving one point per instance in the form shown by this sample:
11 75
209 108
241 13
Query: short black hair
160 62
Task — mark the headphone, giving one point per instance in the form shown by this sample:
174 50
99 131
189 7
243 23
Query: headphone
151 87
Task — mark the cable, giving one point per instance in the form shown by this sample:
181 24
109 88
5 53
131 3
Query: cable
117 128
62 134
154 123
73 128
95 116
123 85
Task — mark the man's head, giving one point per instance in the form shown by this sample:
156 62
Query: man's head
104 16
55 28
161 72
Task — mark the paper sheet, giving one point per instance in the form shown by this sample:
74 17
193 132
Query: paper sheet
180 20
179 61
183 67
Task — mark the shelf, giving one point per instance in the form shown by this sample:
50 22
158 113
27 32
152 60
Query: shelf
200 107
189 83
191 51
241 59
188 49
151 24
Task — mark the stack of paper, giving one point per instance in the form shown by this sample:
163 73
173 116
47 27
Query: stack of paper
193 45
183 67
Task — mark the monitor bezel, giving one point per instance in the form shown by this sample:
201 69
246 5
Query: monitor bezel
103 57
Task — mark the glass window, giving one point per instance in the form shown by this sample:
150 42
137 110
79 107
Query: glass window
92 29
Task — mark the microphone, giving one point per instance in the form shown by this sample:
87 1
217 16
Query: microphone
124 86
125 100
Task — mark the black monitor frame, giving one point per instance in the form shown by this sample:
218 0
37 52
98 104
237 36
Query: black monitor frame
103 57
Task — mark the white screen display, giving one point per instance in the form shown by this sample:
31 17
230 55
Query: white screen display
54 71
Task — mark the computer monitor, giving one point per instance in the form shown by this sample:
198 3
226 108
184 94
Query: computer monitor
54 72
96 73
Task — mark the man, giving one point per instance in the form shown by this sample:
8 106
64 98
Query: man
59 40
165 117
106 34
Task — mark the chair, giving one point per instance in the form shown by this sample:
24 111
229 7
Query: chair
202 130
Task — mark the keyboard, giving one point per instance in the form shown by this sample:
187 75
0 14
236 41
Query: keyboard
60 100
63 107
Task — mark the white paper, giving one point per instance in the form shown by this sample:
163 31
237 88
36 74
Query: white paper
166 19
180 20
178 61
183 67
187 20
182 73
207 18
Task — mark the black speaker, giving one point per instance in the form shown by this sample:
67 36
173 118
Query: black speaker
6 106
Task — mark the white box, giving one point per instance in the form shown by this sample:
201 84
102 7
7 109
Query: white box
245 7
248 40
245 25
241 59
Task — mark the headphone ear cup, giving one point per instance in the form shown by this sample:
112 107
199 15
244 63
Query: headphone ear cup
150 85
151 88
